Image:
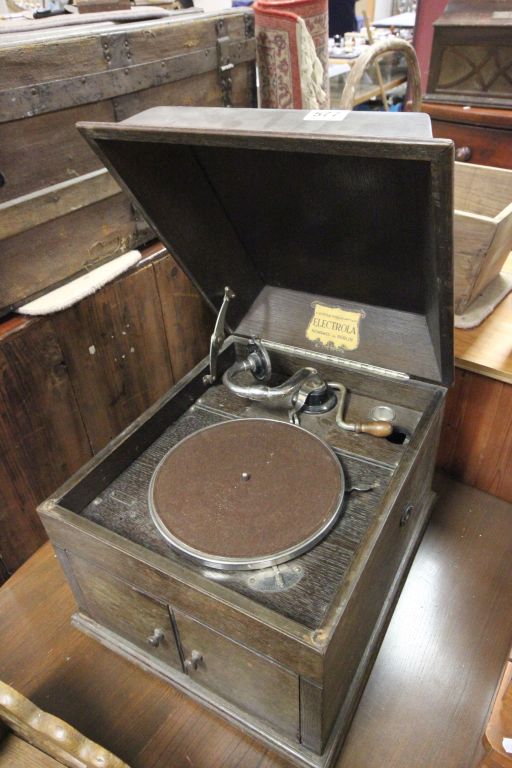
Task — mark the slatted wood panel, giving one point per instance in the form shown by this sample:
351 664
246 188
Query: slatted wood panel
41 432
187 320
114 344
71 382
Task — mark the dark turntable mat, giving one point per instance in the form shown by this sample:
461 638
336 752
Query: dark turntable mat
246 493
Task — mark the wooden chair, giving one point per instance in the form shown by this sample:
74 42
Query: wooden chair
31 738
369 56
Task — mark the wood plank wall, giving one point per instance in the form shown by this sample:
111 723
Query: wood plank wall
476 440
71 381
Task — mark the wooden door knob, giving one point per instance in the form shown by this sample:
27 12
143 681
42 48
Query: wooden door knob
463 154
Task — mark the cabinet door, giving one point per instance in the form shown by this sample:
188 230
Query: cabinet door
135 616
252 682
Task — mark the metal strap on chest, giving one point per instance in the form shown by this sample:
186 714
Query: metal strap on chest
225 65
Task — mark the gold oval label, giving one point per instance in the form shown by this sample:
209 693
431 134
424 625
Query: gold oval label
334 326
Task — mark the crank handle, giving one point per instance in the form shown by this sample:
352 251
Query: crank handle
375 428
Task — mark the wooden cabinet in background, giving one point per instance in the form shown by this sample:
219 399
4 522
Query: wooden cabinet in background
70 382
476 440
481 135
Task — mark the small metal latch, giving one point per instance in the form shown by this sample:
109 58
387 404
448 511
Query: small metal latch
225 65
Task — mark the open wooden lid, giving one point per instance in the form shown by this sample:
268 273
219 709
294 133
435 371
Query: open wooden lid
334 230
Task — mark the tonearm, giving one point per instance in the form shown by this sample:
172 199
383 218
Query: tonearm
305 391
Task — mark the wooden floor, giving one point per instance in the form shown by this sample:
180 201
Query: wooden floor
426 702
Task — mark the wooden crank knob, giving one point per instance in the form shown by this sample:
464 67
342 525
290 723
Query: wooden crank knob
377 428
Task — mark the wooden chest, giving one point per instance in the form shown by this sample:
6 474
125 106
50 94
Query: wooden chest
335 237
61 213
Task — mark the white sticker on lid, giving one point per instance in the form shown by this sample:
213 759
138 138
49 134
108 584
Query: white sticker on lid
327 114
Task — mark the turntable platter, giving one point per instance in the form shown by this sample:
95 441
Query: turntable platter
246 493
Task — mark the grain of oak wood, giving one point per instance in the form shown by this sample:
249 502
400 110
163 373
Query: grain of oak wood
41 432
476 441
16 753
57 400
425 704
114 344
187 321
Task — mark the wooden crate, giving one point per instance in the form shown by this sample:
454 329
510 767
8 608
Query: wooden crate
60 212
482 228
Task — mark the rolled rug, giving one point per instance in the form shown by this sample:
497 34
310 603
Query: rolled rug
292 51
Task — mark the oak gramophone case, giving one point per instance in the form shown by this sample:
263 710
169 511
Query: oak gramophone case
247 537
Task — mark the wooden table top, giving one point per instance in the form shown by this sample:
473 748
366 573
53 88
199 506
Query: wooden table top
425 705
487 349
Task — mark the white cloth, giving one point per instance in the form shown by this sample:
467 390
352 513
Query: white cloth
72 292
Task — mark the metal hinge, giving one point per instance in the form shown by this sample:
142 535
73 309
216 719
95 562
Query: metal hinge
225 65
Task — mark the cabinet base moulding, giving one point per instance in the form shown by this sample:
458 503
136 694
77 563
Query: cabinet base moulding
299 756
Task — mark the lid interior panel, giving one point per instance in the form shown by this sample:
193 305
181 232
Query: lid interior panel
359 222
311 226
